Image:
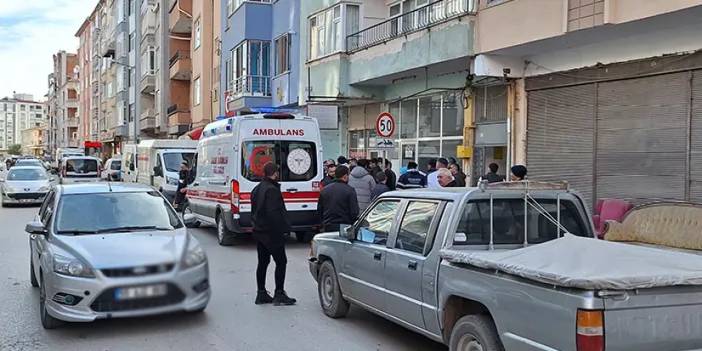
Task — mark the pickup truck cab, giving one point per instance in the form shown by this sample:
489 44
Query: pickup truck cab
397 261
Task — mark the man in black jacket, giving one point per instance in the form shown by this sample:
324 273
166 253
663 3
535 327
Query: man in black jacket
270 223
337 202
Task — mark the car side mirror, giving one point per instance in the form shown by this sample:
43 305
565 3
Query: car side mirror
157 171
346 232
35 228
52 179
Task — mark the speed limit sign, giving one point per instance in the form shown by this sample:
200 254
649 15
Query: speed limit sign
385 125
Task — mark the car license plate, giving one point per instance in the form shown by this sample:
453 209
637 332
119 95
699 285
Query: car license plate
141 292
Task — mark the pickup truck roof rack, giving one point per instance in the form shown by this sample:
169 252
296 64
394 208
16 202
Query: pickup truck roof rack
524 185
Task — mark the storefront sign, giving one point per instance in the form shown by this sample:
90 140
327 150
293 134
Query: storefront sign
385 125
408 151
385 144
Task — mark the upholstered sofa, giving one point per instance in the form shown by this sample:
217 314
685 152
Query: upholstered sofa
673 224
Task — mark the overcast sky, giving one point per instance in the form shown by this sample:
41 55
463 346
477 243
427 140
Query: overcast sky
31 31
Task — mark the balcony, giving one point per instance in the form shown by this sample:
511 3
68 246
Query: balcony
107 44
148 25
251 86
178 119
421 18
148 84
180 19
147 120
180 66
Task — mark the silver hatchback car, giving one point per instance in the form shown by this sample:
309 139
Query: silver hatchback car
111 250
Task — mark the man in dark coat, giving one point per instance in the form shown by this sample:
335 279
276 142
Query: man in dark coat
390 175
270 223
337 202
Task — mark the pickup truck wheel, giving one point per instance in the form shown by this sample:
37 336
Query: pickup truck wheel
224 236
333 303
475 333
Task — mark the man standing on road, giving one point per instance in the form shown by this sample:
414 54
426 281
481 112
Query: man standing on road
270 223
432 181
390 175
337 202
329 177
445 178
363 183
182 186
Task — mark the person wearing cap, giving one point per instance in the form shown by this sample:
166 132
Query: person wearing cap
270 224
330 173
182 185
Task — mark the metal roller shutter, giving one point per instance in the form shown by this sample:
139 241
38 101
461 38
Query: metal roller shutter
560 141
642 138
696 139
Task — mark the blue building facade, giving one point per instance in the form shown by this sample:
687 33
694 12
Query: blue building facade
259 60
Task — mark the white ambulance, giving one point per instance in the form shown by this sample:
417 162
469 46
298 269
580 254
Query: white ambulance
230 157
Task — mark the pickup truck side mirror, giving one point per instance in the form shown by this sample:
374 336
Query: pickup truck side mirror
346 231
157 171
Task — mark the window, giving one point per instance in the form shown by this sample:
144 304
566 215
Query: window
329 28
375 227
196 91
297 160
132 43
251 67
415 226
282 54
173 160
197 34
132 112
148 62
22 107
508 222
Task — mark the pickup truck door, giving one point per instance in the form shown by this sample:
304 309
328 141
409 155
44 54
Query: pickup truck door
362 278
406 258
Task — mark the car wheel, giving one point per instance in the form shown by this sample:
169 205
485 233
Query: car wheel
47 321
304 237
187 211
475 333
333 303
224 236
32 277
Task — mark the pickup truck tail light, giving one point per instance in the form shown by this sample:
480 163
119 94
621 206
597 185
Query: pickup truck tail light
235 196
590 330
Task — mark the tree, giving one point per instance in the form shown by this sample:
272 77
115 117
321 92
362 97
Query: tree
15 149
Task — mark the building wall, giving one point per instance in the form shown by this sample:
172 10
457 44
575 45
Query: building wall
286 19
202 60
620 11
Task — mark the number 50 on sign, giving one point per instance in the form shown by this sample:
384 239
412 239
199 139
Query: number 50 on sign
385 125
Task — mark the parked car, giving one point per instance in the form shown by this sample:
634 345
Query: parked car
231 155
112 170
131 257
25 185
80 169
493 269
29 162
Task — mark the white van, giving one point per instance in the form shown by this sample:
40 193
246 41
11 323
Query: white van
157 163
80 169
230 159
63 152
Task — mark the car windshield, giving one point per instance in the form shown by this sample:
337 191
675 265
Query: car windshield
25 174
116 165
297 160
80 165
114 212
172 160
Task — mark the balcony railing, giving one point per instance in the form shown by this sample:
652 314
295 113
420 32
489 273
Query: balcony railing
179 55
251 86
412 21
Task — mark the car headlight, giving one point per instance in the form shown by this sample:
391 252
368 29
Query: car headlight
43 189
72 266
194 254
172 181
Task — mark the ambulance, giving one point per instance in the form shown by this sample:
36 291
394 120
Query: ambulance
231 155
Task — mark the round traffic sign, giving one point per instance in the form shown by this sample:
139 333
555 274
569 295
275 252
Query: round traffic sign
385 125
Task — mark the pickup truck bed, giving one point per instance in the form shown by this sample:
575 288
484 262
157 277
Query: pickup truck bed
651 298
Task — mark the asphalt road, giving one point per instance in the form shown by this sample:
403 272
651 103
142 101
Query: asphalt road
230 322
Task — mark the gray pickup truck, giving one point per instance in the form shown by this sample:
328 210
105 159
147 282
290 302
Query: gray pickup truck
511 267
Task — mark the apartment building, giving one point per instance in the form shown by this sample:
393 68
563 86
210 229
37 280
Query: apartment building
18 113
204 61
605 92
260 65
62 104
409 58
34 140
180 70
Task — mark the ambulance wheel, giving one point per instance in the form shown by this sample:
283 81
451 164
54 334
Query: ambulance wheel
304 237
224 236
